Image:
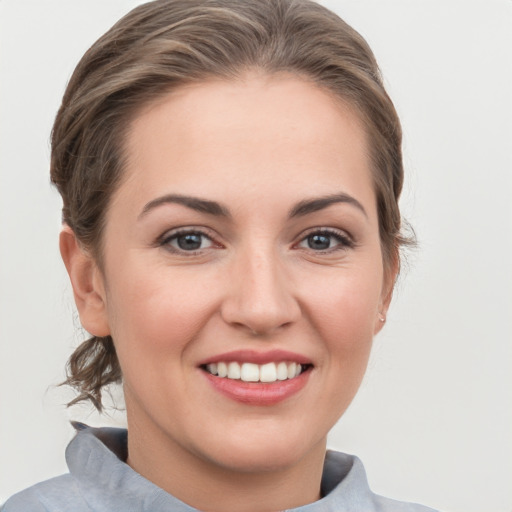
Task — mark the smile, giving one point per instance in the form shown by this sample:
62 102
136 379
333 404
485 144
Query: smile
251 372
257 378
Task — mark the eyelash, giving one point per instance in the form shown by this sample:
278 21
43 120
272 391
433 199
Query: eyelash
168 237
344 240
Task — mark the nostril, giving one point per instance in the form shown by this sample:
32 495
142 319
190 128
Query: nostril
261 329
260 304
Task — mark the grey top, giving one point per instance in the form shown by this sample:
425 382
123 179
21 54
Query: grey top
99 480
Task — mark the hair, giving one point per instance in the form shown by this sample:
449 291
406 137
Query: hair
165 44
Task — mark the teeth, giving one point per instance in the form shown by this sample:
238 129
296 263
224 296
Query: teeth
282 371
233 371
250 372
222 369
268 372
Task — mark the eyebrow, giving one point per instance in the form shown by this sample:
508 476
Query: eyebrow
214 208
313 205
194 203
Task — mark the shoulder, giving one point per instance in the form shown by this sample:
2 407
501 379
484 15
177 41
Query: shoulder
386 504
345 487
58 494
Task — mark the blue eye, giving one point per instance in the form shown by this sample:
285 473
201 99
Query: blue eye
188 241
319 242
322 241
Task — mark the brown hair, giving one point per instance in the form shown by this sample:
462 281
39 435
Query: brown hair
163 44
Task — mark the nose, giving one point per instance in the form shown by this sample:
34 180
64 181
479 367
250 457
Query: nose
260 298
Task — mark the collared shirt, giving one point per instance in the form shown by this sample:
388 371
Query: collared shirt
100 481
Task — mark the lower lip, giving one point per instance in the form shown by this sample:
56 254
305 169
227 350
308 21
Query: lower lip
258 393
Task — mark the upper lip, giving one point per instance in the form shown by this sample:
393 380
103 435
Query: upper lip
257 357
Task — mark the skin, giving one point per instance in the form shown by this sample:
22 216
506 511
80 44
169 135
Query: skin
258 147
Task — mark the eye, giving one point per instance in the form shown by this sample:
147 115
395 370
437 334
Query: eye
325 240
186 241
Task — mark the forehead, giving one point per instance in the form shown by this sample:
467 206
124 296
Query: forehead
260 132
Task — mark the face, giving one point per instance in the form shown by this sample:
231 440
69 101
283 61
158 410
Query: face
243 239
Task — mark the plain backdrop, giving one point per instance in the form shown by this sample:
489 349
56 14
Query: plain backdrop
433 419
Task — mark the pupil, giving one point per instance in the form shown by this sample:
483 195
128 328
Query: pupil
189 242
319 242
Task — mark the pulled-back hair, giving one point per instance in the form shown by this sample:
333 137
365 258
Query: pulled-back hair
165 44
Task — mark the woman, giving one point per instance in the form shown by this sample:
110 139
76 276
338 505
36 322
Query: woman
230 173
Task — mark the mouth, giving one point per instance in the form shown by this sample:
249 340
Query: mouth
258 378
251 372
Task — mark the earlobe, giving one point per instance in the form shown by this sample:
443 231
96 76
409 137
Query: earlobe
390 276
87 282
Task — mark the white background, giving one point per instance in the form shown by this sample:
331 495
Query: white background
433 419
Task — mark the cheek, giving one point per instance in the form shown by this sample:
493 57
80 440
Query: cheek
342 313
153 315
348 298
344 310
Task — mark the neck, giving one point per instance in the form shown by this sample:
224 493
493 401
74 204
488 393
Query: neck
205 485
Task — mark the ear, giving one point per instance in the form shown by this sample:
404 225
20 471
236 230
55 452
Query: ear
390 275
87 282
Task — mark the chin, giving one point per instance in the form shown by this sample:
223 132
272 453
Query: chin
259 461
264 451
